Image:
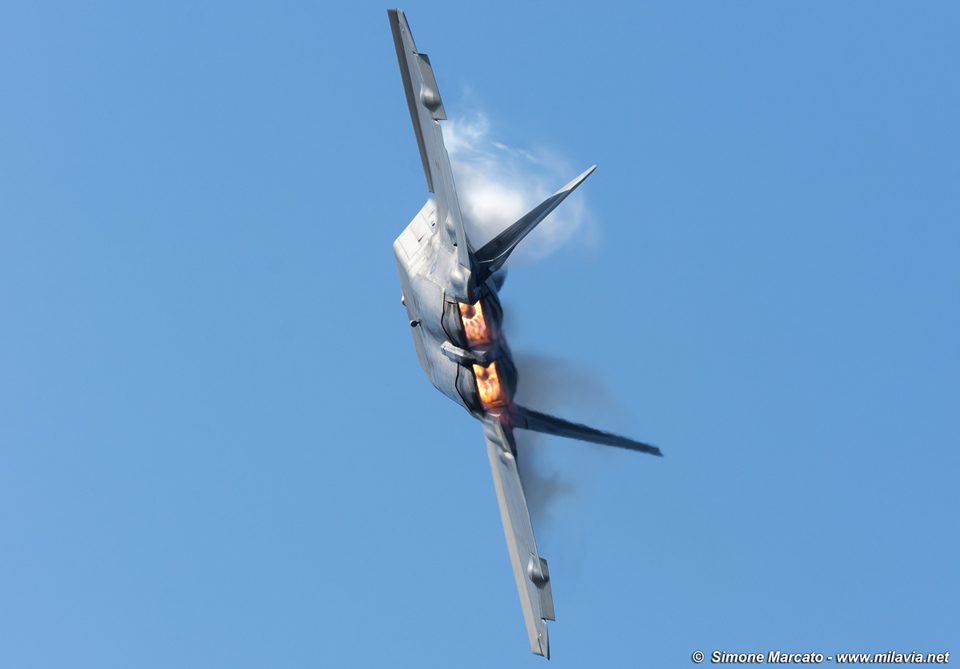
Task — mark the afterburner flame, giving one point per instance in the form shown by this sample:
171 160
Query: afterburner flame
488 384
474 324
479 335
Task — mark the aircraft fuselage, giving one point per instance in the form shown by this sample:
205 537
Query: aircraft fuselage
460 344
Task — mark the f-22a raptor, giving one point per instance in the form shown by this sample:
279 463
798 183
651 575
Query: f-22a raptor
450 292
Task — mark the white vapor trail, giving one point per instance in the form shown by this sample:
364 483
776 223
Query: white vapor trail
497 184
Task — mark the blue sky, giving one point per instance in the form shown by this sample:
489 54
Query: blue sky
217 447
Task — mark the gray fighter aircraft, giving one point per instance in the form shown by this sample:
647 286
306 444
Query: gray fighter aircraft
450 292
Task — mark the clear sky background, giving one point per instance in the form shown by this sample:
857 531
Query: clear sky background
218 449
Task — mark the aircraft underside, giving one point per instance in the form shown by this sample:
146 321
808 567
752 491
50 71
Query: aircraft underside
450 293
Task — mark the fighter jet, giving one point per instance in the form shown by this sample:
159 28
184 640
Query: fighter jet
450 291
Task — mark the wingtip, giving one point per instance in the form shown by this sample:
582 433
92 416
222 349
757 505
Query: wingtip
543 644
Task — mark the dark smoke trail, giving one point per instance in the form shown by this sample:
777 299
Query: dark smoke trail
566 389
542 486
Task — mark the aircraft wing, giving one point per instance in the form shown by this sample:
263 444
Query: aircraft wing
529 569
426 109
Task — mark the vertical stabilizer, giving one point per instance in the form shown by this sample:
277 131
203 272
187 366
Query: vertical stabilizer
494 253
528 419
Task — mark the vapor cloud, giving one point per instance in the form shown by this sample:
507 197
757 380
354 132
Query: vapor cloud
497 184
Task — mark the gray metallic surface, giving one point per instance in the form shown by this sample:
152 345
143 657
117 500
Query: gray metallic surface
423 100
450 294
528 419
494 253
518 530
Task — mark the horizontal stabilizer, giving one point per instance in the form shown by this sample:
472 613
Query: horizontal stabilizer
494 253
535 421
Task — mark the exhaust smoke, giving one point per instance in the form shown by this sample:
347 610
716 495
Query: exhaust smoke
555 385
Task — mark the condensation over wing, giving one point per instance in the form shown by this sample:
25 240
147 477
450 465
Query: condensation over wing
426 109
529 569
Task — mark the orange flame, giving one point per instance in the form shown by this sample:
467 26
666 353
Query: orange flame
488 384
474 324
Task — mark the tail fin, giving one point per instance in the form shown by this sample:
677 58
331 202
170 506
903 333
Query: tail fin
494 253
529 419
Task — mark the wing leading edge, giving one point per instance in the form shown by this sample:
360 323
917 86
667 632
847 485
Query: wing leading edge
426 109
529 569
